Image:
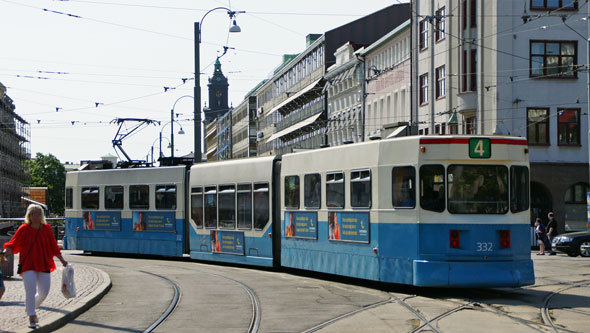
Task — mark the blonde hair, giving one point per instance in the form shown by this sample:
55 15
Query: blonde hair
31 209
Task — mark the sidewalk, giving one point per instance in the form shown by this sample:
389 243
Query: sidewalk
56 310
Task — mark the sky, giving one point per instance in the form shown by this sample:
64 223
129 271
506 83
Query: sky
73 66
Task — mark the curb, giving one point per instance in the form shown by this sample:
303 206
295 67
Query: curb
58 320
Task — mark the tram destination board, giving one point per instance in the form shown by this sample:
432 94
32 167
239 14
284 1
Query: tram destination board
480 148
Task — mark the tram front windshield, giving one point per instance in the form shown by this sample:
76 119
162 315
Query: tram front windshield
477 189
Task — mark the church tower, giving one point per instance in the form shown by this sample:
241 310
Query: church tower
218 98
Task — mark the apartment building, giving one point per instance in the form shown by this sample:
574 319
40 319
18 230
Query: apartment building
387 84
292 105
512 68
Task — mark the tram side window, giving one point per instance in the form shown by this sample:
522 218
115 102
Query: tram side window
165 196
403 187
197 206
335 190
69 198
312 184
210 207
90 197
139 197
227 206
261 205
291 192
432 187
245 206
519 188
113 197
360 188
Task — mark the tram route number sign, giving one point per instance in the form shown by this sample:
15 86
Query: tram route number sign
480 148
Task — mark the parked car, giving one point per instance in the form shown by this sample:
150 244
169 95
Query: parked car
574 243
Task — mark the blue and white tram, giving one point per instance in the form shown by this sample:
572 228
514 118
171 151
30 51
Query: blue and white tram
425 211
232 211
139 211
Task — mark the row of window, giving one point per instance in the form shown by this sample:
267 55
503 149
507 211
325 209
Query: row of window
439 28
139 197
472 189
306 66
568 126
554 4
230 206
440 88
390 57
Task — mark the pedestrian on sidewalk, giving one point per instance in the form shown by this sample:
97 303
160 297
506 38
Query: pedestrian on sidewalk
551 231
35 242
541 236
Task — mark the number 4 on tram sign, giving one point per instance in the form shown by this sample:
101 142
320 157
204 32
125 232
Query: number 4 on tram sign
480 148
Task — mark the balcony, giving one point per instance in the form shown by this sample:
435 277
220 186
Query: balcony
467 101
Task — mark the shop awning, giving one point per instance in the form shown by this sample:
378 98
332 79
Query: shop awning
294 127
294 97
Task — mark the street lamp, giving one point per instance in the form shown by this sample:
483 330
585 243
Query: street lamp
151 151
172 124
197 92
171 146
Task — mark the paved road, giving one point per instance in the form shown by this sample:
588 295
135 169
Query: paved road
220 298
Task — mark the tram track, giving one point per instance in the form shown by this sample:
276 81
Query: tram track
255 320
546 316
471 299
256 311
171 307
348 314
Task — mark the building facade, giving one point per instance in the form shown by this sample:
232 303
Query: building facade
244 129
494 67
344 88
293 104
224 136
15 134
387 84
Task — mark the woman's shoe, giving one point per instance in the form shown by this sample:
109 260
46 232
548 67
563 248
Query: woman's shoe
540 254
33 320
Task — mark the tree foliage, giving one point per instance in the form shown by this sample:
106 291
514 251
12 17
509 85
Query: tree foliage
47 170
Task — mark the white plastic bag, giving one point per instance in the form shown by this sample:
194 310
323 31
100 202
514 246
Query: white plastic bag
68 289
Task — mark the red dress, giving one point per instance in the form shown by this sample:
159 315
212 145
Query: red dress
36 247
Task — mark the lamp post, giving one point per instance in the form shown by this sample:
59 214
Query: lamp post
151 151
181 131
197 92
172 124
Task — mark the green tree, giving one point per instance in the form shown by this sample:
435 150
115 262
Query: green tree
47 170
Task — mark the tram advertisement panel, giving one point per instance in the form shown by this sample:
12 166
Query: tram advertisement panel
231 242
301 224
101 220
154 221
348 226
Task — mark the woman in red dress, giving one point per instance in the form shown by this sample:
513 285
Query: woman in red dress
37 246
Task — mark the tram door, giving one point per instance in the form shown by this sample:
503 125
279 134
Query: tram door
276 213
